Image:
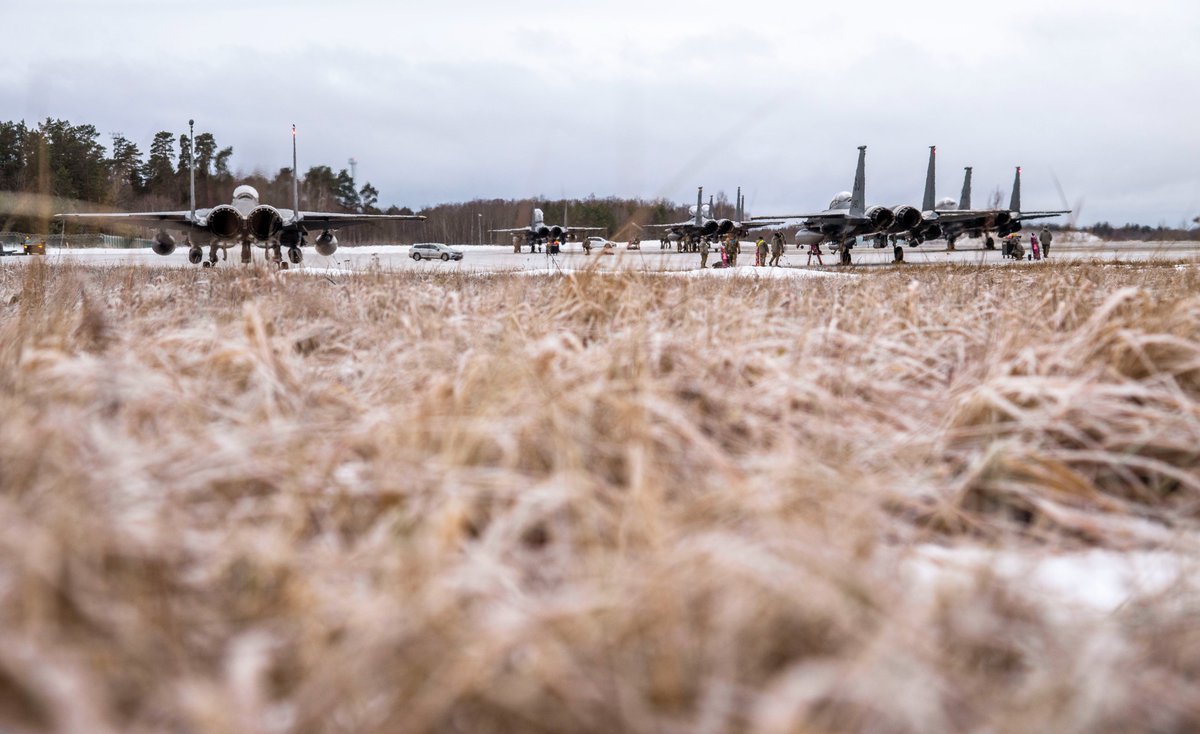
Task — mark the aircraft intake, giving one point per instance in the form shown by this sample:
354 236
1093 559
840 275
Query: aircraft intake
164 244
881 217
905 219
264 222
225 222
326 244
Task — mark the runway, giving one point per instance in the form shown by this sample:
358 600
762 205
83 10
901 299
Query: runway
500 259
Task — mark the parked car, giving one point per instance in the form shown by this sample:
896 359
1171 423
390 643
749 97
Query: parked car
434 251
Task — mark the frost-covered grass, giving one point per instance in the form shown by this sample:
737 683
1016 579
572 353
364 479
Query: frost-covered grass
930 500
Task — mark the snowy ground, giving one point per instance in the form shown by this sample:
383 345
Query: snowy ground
491 259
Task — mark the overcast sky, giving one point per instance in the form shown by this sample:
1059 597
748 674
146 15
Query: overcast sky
454 100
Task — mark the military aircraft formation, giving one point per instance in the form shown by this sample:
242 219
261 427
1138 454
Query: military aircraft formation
246 222
848 218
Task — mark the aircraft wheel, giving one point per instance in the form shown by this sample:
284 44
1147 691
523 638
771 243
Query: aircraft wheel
445 257
990 244
208 264
295 255
195 255
898 254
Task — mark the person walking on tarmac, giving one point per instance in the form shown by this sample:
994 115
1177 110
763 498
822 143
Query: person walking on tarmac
760 252
814 249
1033 246
776 249
735 249
1045 238
703 253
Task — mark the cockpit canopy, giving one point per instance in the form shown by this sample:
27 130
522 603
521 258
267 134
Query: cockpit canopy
704 210
947 203
245 192
840 201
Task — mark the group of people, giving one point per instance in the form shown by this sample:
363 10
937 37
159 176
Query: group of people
764 254
1039 245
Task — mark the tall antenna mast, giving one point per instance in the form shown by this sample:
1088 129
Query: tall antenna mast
353 170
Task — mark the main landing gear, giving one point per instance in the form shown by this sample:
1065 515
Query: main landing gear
990 243
898 254
295 255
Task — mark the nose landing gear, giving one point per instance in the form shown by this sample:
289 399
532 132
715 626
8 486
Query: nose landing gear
295 255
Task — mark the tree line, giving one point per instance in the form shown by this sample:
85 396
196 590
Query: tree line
59 166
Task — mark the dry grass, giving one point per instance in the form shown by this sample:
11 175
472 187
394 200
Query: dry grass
237 502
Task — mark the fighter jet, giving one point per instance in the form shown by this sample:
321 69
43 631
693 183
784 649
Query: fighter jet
846 219
538 232
950 220
704 224
245 221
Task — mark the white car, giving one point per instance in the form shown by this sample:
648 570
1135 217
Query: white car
433 251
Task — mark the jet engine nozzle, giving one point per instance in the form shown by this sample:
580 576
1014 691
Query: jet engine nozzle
557 232
264 222
881 217
225 222
541 231
326 244
905 218
164 244
710 228
1003 219
724 226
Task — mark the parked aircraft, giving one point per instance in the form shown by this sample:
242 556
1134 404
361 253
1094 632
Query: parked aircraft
538 232
847 217
983 222
246 222
704 224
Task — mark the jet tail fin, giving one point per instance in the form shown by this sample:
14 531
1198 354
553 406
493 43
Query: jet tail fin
699 207
1015 204
858 197
739 215
295 177
192 166
964 201
928 203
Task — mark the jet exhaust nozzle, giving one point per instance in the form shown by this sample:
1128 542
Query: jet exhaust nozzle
881 217
542 231
1003 219
724 226
557 232
264 222
710 228
326 244
225 222
164 243
905 218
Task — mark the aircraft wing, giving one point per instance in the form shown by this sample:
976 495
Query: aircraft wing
337 220
963 215
1022 216
153 219
688 223
514 229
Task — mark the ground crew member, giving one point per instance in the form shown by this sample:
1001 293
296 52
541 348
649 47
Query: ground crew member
1045 239
587 245
776 249
1033 244
734 248
516 244
704 253
760 252
815 249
